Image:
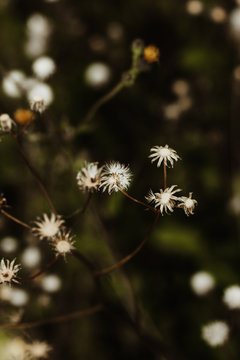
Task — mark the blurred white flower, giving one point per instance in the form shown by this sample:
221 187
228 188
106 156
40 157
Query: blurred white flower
8 271
194 7
6 123
163 154
12 83
218 14
202 283
31 257
48 227
15 348
188 204
234 22
231 297
8 244
115 31
165 200
38 350
115 176
180 87
215 333
18 297
43 91
88 178
51 283
97 74
43 67
38 25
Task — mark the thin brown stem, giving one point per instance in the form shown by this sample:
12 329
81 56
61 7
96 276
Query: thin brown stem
34 173
15 219
131 255
139 202
55 320
42 271
165 176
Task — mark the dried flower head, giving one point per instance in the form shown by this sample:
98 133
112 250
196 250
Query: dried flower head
89 177
38 350
151 54
23 116
48 227
115 176
215 333
163 154
37 104
202 283
63 243
188 204
6 123
8 271
165 200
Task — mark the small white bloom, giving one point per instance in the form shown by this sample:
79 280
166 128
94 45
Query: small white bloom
202 282
38 25
6 122
163 154
165 200
234 20
231 297
88 178
48 227
8 271
115 176
43 67
215 333
188 204
37 104
63 243
38 350
8 244
194 7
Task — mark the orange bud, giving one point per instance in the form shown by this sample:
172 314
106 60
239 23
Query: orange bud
24 117
151 54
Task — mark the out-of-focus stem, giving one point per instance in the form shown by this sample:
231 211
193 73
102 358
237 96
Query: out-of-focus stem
34 173
165 176
42 271
57 319
130 256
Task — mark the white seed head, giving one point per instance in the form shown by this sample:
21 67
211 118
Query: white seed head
215 333
48 227
202 283
38 25
163 154
115 176
63 243
6 123
8 244
43 67
218 14
231 297
188 204
37 104
89 177
234 21
165 200
41 90
8 271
